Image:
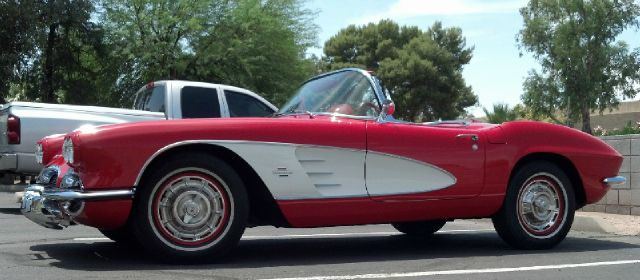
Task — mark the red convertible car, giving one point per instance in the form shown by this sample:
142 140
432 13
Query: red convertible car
333 155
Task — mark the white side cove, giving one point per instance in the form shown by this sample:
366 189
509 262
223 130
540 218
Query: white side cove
293 171
390 175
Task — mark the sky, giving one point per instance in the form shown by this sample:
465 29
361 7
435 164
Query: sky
496 71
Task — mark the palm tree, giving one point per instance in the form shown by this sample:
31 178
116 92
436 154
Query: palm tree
501 113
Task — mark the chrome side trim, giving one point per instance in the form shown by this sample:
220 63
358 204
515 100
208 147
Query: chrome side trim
614 181
87 196
68 195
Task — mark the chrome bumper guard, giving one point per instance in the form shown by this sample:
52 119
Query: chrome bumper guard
614 181
56 208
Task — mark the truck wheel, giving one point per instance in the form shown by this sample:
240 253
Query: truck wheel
194 208
419 228
538 209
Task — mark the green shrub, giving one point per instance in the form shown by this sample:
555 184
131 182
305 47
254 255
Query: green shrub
629 128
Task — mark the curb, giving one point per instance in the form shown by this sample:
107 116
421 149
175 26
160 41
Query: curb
607 223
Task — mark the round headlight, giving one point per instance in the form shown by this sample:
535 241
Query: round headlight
71 181
67 150
39 153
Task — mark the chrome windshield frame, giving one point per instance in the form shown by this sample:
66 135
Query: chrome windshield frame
379 94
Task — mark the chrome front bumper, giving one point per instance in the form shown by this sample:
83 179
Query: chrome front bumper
614 181
56 208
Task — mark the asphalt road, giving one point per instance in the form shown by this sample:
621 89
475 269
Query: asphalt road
463 250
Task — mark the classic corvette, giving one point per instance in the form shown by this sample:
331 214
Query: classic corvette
333 155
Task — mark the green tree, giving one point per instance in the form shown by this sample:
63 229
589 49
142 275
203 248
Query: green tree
53 45
258 45
150 38
583 67
18 42
254 44
421 69
501 112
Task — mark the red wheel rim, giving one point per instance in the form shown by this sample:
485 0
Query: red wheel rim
541 205
190 209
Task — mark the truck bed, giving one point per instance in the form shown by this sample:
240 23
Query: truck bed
41 119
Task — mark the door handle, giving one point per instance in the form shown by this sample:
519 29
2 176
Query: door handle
474 137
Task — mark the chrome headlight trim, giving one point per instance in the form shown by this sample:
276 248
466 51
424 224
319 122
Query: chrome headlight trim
67 150
71 180
39 153
48 176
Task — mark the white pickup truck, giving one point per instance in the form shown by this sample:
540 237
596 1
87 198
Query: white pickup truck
22 124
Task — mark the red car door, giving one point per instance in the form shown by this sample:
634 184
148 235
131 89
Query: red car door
407 161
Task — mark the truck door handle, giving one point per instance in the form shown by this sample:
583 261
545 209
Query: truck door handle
474 137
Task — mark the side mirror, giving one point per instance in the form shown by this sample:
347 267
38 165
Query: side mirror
388 108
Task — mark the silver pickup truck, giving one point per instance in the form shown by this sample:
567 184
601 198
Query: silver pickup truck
22 124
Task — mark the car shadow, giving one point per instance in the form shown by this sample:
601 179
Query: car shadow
109 256
10 211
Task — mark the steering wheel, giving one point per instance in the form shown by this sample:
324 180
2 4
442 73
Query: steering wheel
366 106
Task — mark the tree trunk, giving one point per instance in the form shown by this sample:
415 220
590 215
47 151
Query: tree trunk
48 95
586 119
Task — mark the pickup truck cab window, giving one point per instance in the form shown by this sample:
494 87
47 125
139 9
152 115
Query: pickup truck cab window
151 99
243 105
199 102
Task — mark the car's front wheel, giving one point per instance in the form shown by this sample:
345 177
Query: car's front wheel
538 209
194 208
123 235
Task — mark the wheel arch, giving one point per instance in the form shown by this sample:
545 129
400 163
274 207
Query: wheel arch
263 209
564 163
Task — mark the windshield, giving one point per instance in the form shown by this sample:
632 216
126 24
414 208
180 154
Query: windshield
346 92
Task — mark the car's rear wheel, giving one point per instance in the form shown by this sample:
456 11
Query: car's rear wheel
194 208
538 209
419 228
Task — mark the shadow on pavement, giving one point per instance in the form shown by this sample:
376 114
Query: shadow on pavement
109 256
10 211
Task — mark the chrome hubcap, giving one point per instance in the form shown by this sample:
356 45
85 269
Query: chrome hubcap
191 209
539 205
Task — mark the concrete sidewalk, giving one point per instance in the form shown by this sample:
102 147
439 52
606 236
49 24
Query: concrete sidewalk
607 223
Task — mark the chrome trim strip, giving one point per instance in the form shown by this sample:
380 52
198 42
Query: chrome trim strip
332 115
88 196
69 195
615 181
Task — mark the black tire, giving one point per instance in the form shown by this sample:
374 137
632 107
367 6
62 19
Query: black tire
538 208
123 235
420 228
193 208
